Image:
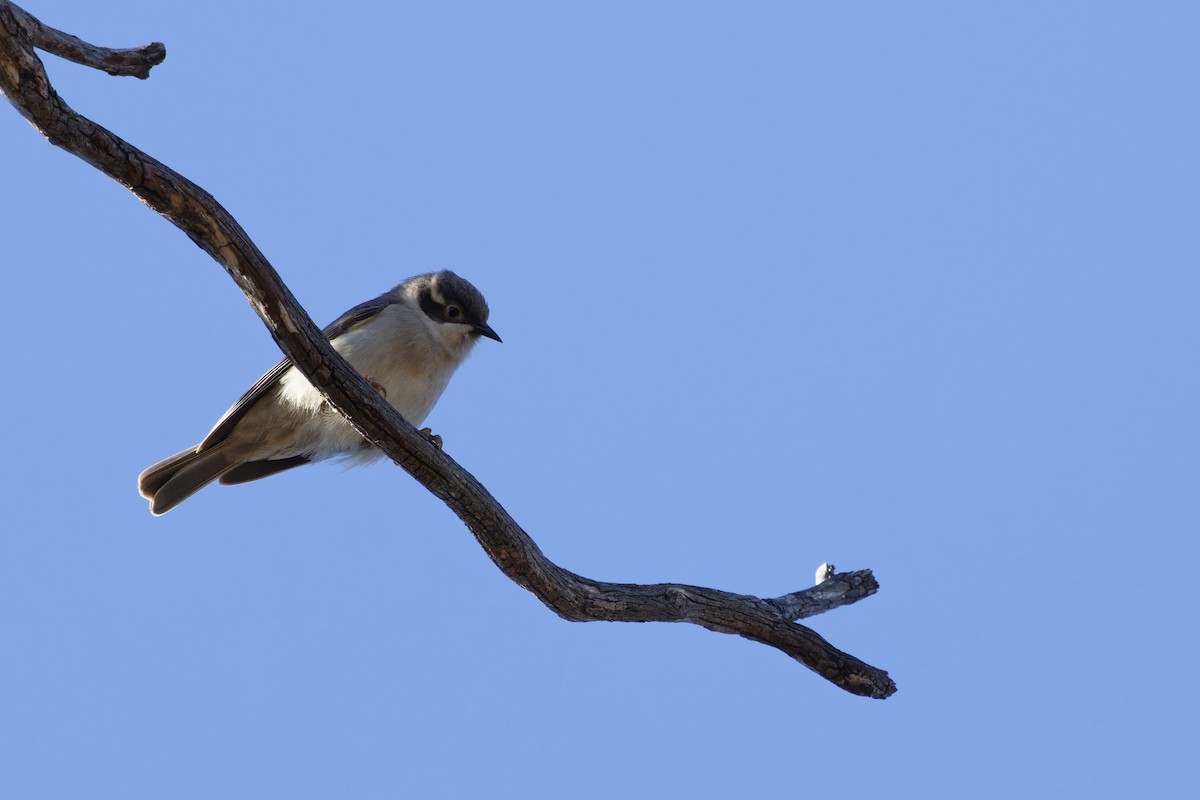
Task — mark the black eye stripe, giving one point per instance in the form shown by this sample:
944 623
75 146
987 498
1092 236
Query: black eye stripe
431 307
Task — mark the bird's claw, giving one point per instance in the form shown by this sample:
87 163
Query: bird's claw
431 437
376 385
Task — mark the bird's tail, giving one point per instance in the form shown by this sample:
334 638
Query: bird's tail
171 481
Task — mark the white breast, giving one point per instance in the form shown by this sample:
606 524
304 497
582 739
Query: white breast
395 350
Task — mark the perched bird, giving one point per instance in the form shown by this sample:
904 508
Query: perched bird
406 342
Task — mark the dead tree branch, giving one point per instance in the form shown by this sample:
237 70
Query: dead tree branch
127 61
24 82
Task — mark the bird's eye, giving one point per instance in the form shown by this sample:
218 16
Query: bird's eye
453 312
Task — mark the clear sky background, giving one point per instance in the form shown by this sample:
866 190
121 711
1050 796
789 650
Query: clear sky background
907 286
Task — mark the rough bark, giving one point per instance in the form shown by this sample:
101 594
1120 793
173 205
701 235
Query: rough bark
24 82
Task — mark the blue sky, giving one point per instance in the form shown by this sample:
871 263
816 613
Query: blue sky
911 287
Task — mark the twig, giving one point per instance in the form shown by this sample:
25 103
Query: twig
136 61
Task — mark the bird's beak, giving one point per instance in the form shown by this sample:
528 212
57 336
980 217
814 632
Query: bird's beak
486 330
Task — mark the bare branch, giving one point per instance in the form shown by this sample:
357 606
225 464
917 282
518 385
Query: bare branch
24 82
120 62
839 590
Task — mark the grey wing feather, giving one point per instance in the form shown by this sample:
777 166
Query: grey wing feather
355 316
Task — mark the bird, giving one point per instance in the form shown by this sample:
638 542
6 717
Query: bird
407 343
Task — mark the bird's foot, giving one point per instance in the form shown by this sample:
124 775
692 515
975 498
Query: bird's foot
432 437
376 385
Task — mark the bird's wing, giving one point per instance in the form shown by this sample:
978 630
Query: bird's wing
351 319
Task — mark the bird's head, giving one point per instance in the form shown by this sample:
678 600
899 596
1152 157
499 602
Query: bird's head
455 311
